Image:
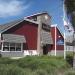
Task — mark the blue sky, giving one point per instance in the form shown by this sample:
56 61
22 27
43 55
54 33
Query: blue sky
15 9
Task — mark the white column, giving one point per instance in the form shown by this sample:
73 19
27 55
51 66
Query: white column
9 46
2 47
15 46
64 16
39 36
65 46
55 39
21 46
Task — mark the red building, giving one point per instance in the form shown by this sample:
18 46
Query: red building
32 35
58 40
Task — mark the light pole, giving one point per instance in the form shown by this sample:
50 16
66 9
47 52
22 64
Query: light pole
73 48
64 29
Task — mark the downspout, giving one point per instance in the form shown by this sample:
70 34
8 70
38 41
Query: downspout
55 39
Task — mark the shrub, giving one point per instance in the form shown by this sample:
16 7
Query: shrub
0 55
69 58
70 72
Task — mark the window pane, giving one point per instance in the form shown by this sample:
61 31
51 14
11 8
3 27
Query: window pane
18 45
12 44
5 48
5 44
18 49
12 48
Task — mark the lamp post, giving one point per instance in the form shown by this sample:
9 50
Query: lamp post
73 48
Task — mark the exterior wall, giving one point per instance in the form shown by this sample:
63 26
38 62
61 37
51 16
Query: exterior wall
45 19
30 52
58 47
58 53
29 31
12 54
53 36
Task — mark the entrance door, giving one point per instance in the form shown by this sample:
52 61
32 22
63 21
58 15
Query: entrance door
45 50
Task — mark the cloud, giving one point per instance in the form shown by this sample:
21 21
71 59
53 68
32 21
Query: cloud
12 7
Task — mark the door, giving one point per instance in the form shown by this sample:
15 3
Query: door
45 50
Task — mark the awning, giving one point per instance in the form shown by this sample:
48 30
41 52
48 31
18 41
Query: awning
46 37
13 38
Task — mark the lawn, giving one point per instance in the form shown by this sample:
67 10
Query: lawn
34 65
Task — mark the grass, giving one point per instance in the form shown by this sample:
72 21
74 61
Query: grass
33 65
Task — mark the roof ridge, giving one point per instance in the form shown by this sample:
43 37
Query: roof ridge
39 13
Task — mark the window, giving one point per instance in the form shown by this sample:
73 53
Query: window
18 47
5 46
12 46
45 27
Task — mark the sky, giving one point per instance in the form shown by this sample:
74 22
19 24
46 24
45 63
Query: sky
14 9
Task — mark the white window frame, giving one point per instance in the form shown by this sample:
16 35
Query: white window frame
9 48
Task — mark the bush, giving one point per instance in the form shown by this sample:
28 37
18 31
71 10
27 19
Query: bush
0 55
69 58
70 72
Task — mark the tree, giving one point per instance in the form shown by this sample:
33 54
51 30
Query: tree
70 8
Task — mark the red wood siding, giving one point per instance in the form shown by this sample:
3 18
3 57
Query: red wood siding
29 30
53 37
58 47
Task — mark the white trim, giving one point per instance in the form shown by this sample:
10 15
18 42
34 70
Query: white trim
11 26
57 28
15 48
31 21
30 52
9 46
11 51
2 47
53 25
21 46
38 14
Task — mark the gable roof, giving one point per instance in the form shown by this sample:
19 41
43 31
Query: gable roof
9 25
